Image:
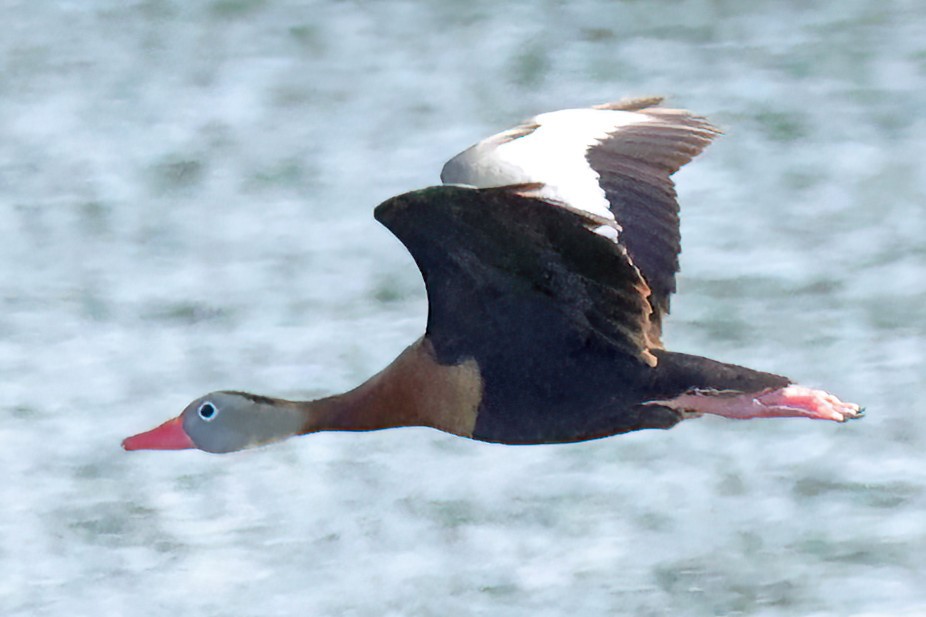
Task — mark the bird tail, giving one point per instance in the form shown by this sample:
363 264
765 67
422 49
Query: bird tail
685 372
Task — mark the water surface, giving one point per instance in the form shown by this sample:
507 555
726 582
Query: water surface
186 193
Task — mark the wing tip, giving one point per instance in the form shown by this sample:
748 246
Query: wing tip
693 123
633 103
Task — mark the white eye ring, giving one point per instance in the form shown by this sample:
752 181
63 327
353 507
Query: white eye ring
207 411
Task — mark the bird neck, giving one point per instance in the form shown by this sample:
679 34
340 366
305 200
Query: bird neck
415 390
376 404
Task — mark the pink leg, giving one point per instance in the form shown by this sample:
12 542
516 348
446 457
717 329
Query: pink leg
788 402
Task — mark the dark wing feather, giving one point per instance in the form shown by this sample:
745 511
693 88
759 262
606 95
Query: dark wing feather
635 165
509 273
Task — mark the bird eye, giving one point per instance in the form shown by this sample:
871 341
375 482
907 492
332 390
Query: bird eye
207 411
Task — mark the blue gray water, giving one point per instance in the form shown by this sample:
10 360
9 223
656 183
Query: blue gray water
185 205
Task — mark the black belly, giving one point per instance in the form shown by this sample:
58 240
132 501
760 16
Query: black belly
545 380
585 393
562 386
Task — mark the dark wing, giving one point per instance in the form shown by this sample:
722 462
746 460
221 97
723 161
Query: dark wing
509 273
634 165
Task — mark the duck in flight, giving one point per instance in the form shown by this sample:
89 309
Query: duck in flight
549 256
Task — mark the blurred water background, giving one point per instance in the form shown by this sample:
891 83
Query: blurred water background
186 194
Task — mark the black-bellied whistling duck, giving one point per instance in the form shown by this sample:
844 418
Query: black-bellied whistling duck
549 256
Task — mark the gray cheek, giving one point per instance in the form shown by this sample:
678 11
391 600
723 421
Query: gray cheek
235 429
215 436
269 424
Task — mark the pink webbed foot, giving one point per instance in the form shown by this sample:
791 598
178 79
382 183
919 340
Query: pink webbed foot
806 402
789 402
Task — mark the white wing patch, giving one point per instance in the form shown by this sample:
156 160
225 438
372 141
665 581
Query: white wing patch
553 153
607 231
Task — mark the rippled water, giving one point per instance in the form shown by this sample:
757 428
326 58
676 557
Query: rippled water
185 205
